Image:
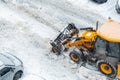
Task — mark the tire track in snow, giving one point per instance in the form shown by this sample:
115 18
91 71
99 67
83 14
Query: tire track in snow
82 14
37 15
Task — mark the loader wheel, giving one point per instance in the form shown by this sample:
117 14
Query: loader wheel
75 56
107 69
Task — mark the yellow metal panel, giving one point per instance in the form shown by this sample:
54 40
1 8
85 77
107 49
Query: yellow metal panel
86 38
118 71
110 31
89 35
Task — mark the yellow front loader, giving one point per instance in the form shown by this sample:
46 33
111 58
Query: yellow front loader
99 47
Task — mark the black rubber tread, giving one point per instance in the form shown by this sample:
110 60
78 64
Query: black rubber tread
79 55
20 73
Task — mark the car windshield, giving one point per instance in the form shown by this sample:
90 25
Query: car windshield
111 48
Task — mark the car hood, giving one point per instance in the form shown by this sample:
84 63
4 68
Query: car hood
9 59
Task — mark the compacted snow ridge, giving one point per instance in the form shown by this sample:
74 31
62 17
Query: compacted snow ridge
27 26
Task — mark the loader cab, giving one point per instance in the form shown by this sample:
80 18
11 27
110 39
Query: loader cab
108 56
108 44
108 41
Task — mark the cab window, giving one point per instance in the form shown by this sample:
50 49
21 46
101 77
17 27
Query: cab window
113 49
4 71
100 46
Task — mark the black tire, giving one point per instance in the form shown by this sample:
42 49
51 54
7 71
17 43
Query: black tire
100 1
75 56
106 68
17 75
117 7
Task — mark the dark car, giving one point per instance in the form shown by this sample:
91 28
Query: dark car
100 1
117 6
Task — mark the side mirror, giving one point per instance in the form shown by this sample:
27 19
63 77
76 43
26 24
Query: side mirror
12 69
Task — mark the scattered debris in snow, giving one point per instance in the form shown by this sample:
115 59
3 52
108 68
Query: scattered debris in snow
27 26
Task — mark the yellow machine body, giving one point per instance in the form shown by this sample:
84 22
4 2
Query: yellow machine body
118 70
86 39
109 31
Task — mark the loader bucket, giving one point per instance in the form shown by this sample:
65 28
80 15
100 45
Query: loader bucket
68 32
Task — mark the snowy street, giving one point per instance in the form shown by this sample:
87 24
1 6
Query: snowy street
27 26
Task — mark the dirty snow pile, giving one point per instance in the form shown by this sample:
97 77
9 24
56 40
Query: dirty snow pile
27 26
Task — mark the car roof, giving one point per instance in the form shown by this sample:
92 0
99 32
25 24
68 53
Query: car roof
110 31
1 63
4 60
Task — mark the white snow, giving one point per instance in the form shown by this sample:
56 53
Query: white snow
27 26
1 63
